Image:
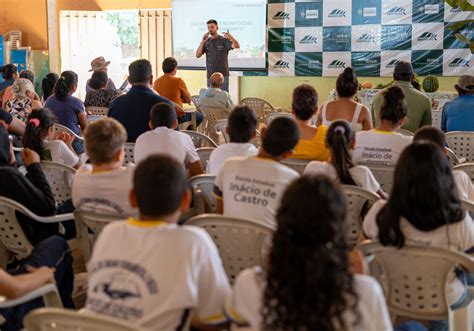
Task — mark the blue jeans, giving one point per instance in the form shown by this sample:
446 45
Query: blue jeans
225 85
187 117
410 326
52 252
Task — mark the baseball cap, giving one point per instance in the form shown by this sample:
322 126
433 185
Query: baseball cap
403 67
466 83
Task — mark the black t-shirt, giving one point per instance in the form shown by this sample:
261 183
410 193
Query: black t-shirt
6 117
217 51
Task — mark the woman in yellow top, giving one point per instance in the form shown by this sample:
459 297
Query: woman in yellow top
312 139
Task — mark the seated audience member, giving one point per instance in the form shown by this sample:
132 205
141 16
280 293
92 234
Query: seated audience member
68 110
104 185
133 108
418 104
99 95
47 85
458 114
23 100
461 179
174 89
8 93
424 209
214 96
12 124
383 145
32 191
164 139
251 187
40 137
294 291
9 75
49 262
345 108
241 128
174 273
99 64
340 140
311 144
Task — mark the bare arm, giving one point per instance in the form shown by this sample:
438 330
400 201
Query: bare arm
16 286
200 49
82 120
17 127
366 119
235 43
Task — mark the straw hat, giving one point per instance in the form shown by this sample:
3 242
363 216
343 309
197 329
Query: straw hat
99 64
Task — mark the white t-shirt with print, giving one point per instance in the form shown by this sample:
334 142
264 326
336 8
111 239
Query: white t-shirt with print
460 239
361 175
157 275
244 305
60 153
464 185
379 147
103 192
162 140
226 151
252 187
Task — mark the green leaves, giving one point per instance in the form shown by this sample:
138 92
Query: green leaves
464 5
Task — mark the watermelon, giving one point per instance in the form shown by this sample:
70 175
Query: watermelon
430 84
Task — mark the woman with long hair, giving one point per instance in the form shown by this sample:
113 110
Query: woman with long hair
68 110
424 209
340 140
9 74
47 85
307 284
383 145
345 107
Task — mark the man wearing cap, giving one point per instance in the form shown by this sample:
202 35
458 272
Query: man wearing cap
99 64
419 105
458 114
217 49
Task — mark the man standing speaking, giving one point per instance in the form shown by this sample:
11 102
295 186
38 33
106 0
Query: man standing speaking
217 49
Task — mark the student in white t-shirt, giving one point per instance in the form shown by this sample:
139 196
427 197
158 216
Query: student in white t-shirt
251 187
104 185
424 209
152 272
40 137
241 128
164 139
461 179
295 292
340 139
384 144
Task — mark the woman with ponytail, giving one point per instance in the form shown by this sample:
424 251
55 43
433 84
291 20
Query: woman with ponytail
39 137
68 110
384 144
340 140
47 84
308 283
9 74
345 108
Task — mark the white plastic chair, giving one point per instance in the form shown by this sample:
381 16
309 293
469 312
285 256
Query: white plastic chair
196 103
261 107
102 111
48 292
270 117
468 168
384 175
204 154
462 144
129 151
414 280
359 200
11 233
220 127
212 115
202 186
436 118
45 319
62 128
406 132
241 243
59 177
453 158
185 125
296 164
199 139
93 118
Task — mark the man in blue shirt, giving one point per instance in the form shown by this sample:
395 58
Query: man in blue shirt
458 114
133 109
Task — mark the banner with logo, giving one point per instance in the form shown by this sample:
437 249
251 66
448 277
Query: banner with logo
322 37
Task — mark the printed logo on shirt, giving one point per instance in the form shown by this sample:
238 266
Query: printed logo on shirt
377 155
337 13
459 62
281 15
252 191
397 11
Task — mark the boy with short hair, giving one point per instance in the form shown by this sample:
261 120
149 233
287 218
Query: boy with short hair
251 187
104 186
166 275
241 128
164 139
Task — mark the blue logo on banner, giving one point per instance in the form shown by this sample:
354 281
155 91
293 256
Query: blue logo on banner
337 39
337 64
459 62
337 13
428 36
397 11
366 38
280 64
308 39
392 63
396 37
281 15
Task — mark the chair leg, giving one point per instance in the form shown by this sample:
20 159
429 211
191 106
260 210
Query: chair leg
461 319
